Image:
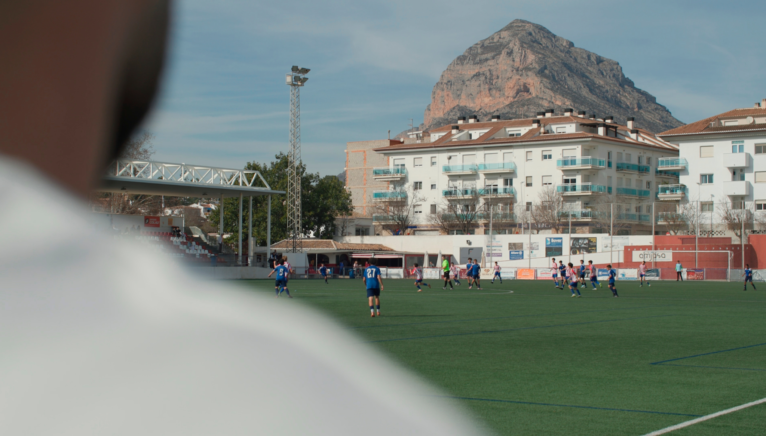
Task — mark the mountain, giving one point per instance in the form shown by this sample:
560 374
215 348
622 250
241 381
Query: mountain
524 69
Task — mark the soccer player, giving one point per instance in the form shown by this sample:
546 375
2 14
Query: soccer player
679 270
281 280
469 273
572 274
642 275
497 275
748 277
455 273
374 286
593 274
418 273
323 271
446 269
555 273
582 272
289 268
612 278
476 273
563 274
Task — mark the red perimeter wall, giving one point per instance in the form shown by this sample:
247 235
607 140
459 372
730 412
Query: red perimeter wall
701 260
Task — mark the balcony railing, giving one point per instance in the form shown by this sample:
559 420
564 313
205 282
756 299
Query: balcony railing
644 218
581 162
630 192
627 217
583 214
644 193
670 217
389 172
585 188
498 167
468 216
461 169
498 192
672 163
497 216
671 190
674 174
383 218
634 168
456 193
389 195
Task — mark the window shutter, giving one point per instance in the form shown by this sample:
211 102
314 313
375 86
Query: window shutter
760 177
706 151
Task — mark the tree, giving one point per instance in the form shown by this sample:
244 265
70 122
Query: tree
460 213
322 200
601 213
672 217
737 216
397 208
139 147
550 211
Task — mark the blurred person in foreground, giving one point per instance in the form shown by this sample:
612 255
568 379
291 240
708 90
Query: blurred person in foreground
101 339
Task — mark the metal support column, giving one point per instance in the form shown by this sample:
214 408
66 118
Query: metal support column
239 228
653 235
268 230
611 232
220 223
250 238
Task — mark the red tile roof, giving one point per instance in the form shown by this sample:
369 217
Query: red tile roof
703 126
329 244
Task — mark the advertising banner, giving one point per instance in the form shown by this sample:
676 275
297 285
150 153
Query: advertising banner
151 221
649 255
583 245
603 274
554 247
652 274
534 249
619 242
508 274
695 274
525 274
516 255
627 274
515 246
544 274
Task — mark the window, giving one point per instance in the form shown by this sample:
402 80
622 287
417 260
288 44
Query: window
707 179
547 154
737 146
529 156
609 181
640 160
507 182
433 209
529 181
649 185
638 209
362 232
513 133
619 156
648 161
547 180
706 151
433 161
529 206
760 205
418 208
760 177
760 149
418 162
570 181
730 123
628 157
629 183
620 182
609 159
417 186
706 206
561 129
737 176
433 186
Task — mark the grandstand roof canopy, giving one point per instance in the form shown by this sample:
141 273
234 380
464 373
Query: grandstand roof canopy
182 180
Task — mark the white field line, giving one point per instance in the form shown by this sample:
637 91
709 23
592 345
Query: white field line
705 418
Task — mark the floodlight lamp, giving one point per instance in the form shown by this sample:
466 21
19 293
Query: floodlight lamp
295 69
303 71
304 80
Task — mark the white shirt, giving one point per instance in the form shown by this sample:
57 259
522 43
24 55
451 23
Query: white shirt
100 337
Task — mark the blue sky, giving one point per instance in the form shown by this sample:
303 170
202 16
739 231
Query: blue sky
374 64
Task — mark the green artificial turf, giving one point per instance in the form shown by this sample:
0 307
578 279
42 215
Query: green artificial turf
537 361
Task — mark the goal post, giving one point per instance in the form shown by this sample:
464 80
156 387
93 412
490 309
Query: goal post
703 264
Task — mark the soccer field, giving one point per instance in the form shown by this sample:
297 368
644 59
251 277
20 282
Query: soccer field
536 361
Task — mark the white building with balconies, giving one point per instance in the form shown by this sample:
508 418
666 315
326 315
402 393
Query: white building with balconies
508 163
722 164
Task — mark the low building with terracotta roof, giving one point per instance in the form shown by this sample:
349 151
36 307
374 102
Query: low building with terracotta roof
499 170
722 165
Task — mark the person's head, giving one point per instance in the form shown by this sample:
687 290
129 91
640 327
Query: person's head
678 261
85 73
373 261
590 262
495 263
609 266
570 265
643 263
582 261
554 260
474 261
469 260
416 265
281 261
561 262
747 265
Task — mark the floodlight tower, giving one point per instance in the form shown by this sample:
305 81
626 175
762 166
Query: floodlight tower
296 78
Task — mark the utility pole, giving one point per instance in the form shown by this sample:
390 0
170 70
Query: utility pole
295 79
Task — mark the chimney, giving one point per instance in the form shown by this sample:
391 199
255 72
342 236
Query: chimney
455 129
495 117
460 120
631 122
592 116
568 112
602 129
549 113
472 119
634 134
609 119
581 114
540 114
535 123
763 103
757 105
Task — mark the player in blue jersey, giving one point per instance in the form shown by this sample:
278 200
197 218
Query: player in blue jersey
593 274
582 272
563 274
612 278
418 273
748 277
281 279
572 274
374 285
469 273
476 273
323 271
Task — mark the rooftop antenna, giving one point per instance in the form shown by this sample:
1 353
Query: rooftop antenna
295 79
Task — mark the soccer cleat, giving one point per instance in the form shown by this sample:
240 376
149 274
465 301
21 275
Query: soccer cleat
451 289
378 313
372 314
429 286
573 295
444 288
420 290
578 295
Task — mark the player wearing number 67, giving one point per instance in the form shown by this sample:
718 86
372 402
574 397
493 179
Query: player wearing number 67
374 285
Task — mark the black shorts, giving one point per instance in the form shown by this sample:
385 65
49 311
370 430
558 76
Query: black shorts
582 275
373 292
446 275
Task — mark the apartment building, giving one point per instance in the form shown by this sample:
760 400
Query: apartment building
513 165
722 164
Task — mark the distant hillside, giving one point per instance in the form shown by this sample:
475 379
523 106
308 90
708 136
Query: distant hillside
524 69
